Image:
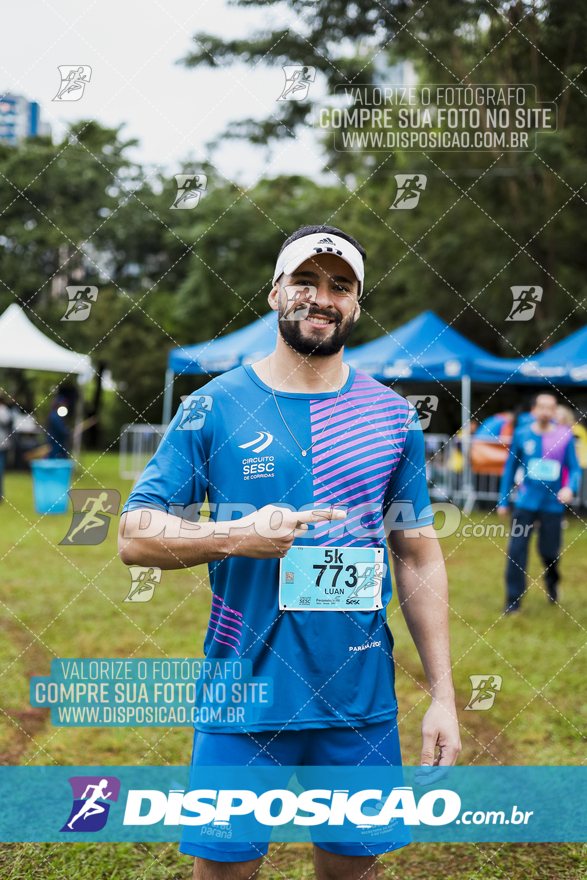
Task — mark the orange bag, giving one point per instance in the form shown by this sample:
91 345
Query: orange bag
488 458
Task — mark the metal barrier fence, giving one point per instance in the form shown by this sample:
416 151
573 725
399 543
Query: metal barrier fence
445 476
438 454
138 444
445 473
444 466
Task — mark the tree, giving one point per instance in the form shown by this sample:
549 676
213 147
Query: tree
487 221
81 212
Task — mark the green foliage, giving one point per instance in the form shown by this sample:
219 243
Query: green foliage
487 221
82 212
236 236
82 209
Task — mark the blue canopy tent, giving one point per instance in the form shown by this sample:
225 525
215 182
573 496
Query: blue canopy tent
424 349
428 349
243 346
226 352
564 363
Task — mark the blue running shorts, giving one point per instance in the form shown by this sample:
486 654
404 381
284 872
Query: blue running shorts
370 745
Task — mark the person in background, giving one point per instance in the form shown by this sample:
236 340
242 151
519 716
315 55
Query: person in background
564 415
497 428
542 449
5 438
58 434
523 419
491 443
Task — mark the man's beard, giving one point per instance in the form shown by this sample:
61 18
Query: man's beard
291 332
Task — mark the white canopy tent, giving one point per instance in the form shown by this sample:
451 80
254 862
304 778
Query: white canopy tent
23 346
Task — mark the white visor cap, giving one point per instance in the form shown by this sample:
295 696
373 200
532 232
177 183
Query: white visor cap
302 249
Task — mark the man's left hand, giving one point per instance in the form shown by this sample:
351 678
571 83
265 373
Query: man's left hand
565 495
440 728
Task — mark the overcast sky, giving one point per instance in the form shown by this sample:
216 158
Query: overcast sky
132 49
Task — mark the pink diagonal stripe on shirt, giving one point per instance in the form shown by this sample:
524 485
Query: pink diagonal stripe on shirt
349 403
355 437
222 642
350 458
351 471
349 410
217 601
376 423
234 629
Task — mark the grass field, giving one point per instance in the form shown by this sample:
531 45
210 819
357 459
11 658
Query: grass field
67 602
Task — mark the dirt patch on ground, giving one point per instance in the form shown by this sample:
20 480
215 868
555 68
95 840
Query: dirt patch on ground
482 739
28 723
21 725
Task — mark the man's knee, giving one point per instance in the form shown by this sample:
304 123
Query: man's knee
206 869
333 866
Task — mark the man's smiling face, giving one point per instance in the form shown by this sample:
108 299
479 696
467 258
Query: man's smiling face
318 305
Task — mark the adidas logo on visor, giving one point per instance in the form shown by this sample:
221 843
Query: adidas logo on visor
332 249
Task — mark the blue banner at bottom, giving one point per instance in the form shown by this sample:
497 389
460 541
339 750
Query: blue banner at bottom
328 804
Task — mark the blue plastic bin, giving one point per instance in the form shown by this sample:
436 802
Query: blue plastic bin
51 482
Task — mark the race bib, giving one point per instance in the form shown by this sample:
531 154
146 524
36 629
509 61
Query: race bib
545 469
331 579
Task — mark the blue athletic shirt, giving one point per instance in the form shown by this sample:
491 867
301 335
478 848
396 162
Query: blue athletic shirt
542 457
329 668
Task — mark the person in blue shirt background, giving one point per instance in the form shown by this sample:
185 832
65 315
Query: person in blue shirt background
58 434
542 448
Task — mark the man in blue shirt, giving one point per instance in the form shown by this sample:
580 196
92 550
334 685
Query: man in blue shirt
546 453
298 440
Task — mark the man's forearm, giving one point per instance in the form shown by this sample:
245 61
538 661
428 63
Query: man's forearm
170 542
153 537
422 590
